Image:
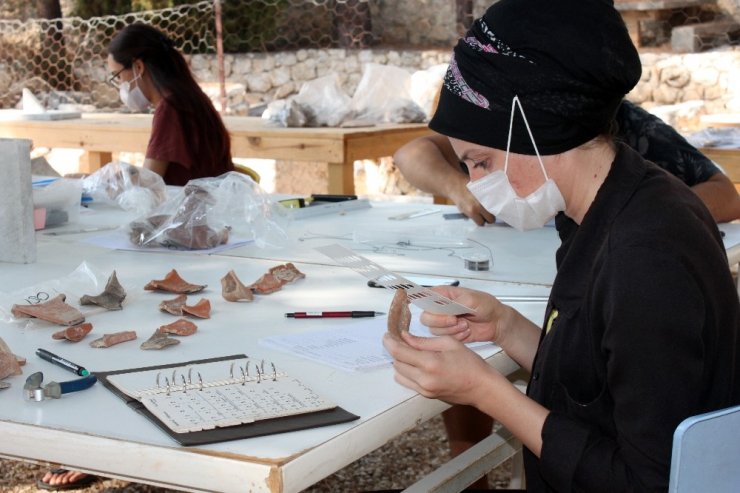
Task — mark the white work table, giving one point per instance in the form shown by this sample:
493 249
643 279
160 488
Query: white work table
95 431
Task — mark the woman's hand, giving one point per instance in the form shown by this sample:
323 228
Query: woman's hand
467 203
487 324
440 367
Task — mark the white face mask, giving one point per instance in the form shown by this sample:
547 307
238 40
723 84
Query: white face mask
495 193
133 98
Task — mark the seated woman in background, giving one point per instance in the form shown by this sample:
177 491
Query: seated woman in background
188 139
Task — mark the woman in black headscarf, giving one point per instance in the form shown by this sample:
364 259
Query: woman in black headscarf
641 328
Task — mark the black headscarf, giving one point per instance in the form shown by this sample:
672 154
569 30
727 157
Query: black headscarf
570 62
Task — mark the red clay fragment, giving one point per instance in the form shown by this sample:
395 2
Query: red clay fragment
74 334
287 273
267 284
197 237
9 364
174 306
202 309
179 327
276 278
399 314
173 283
55 311
109 340
232 288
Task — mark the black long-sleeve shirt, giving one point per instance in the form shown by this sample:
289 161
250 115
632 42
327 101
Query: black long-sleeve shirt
641 331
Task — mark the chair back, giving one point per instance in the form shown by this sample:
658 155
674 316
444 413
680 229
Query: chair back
246 170
706 453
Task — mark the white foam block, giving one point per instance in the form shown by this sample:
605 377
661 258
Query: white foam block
17 237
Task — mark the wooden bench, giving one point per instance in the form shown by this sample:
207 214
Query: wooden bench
101 134
638 14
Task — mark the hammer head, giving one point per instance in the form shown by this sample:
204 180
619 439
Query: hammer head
33 391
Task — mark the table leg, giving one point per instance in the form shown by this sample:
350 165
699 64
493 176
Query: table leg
92 161
341 178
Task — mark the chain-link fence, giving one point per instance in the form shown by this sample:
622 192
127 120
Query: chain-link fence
63 60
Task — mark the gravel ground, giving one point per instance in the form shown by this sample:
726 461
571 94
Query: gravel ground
395 465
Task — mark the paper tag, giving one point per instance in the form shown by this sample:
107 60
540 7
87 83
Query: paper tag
418 295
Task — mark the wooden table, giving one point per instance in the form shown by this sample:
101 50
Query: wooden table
101 134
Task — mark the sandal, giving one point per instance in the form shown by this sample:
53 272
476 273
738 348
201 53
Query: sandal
83 482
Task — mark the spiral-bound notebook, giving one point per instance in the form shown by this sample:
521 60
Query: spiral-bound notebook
220 399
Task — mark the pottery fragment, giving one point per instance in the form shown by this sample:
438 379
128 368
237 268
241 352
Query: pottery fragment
159 340
111 298
55 311
232 288
179 327
109 340
173 283
399 314
174 306
197 237
74 334
276 278
9 364
202 309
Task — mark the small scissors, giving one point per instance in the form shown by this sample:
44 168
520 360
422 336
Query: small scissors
33 391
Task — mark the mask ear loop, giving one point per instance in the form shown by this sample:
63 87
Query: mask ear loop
515 102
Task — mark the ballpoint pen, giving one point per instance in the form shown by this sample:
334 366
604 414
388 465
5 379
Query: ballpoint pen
59 361
345 314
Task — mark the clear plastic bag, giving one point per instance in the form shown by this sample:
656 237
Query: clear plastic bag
329 104
130 187
85 279
320 103
208 211
384 95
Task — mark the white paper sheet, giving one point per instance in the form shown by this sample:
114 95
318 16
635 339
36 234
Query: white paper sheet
355 347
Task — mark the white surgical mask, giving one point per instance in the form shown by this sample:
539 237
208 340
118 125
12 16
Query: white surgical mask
495 193
133 98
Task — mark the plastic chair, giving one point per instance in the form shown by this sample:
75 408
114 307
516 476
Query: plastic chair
247 171
706 453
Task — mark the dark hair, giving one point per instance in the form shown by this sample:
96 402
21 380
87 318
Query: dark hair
205 133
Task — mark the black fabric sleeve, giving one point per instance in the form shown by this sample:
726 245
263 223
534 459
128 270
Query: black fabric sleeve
659 143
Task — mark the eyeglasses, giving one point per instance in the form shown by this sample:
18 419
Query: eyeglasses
113 81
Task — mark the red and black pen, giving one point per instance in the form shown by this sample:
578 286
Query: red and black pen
348 314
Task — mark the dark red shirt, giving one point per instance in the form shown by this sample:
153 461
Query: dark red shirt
172 143
168 143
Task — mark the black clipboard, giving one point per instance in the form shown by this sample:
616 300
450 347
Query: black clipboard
249 430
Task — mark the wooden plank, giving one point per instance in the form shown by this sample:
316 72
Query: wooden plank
92 161
721 120
102 134
382 143
287 147
696 37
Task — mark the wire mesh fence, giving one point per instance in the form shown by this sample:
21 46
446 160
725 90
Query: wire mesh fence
63 60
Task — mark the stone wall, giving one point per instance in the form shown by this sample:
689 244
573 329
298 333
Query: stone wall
667 79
